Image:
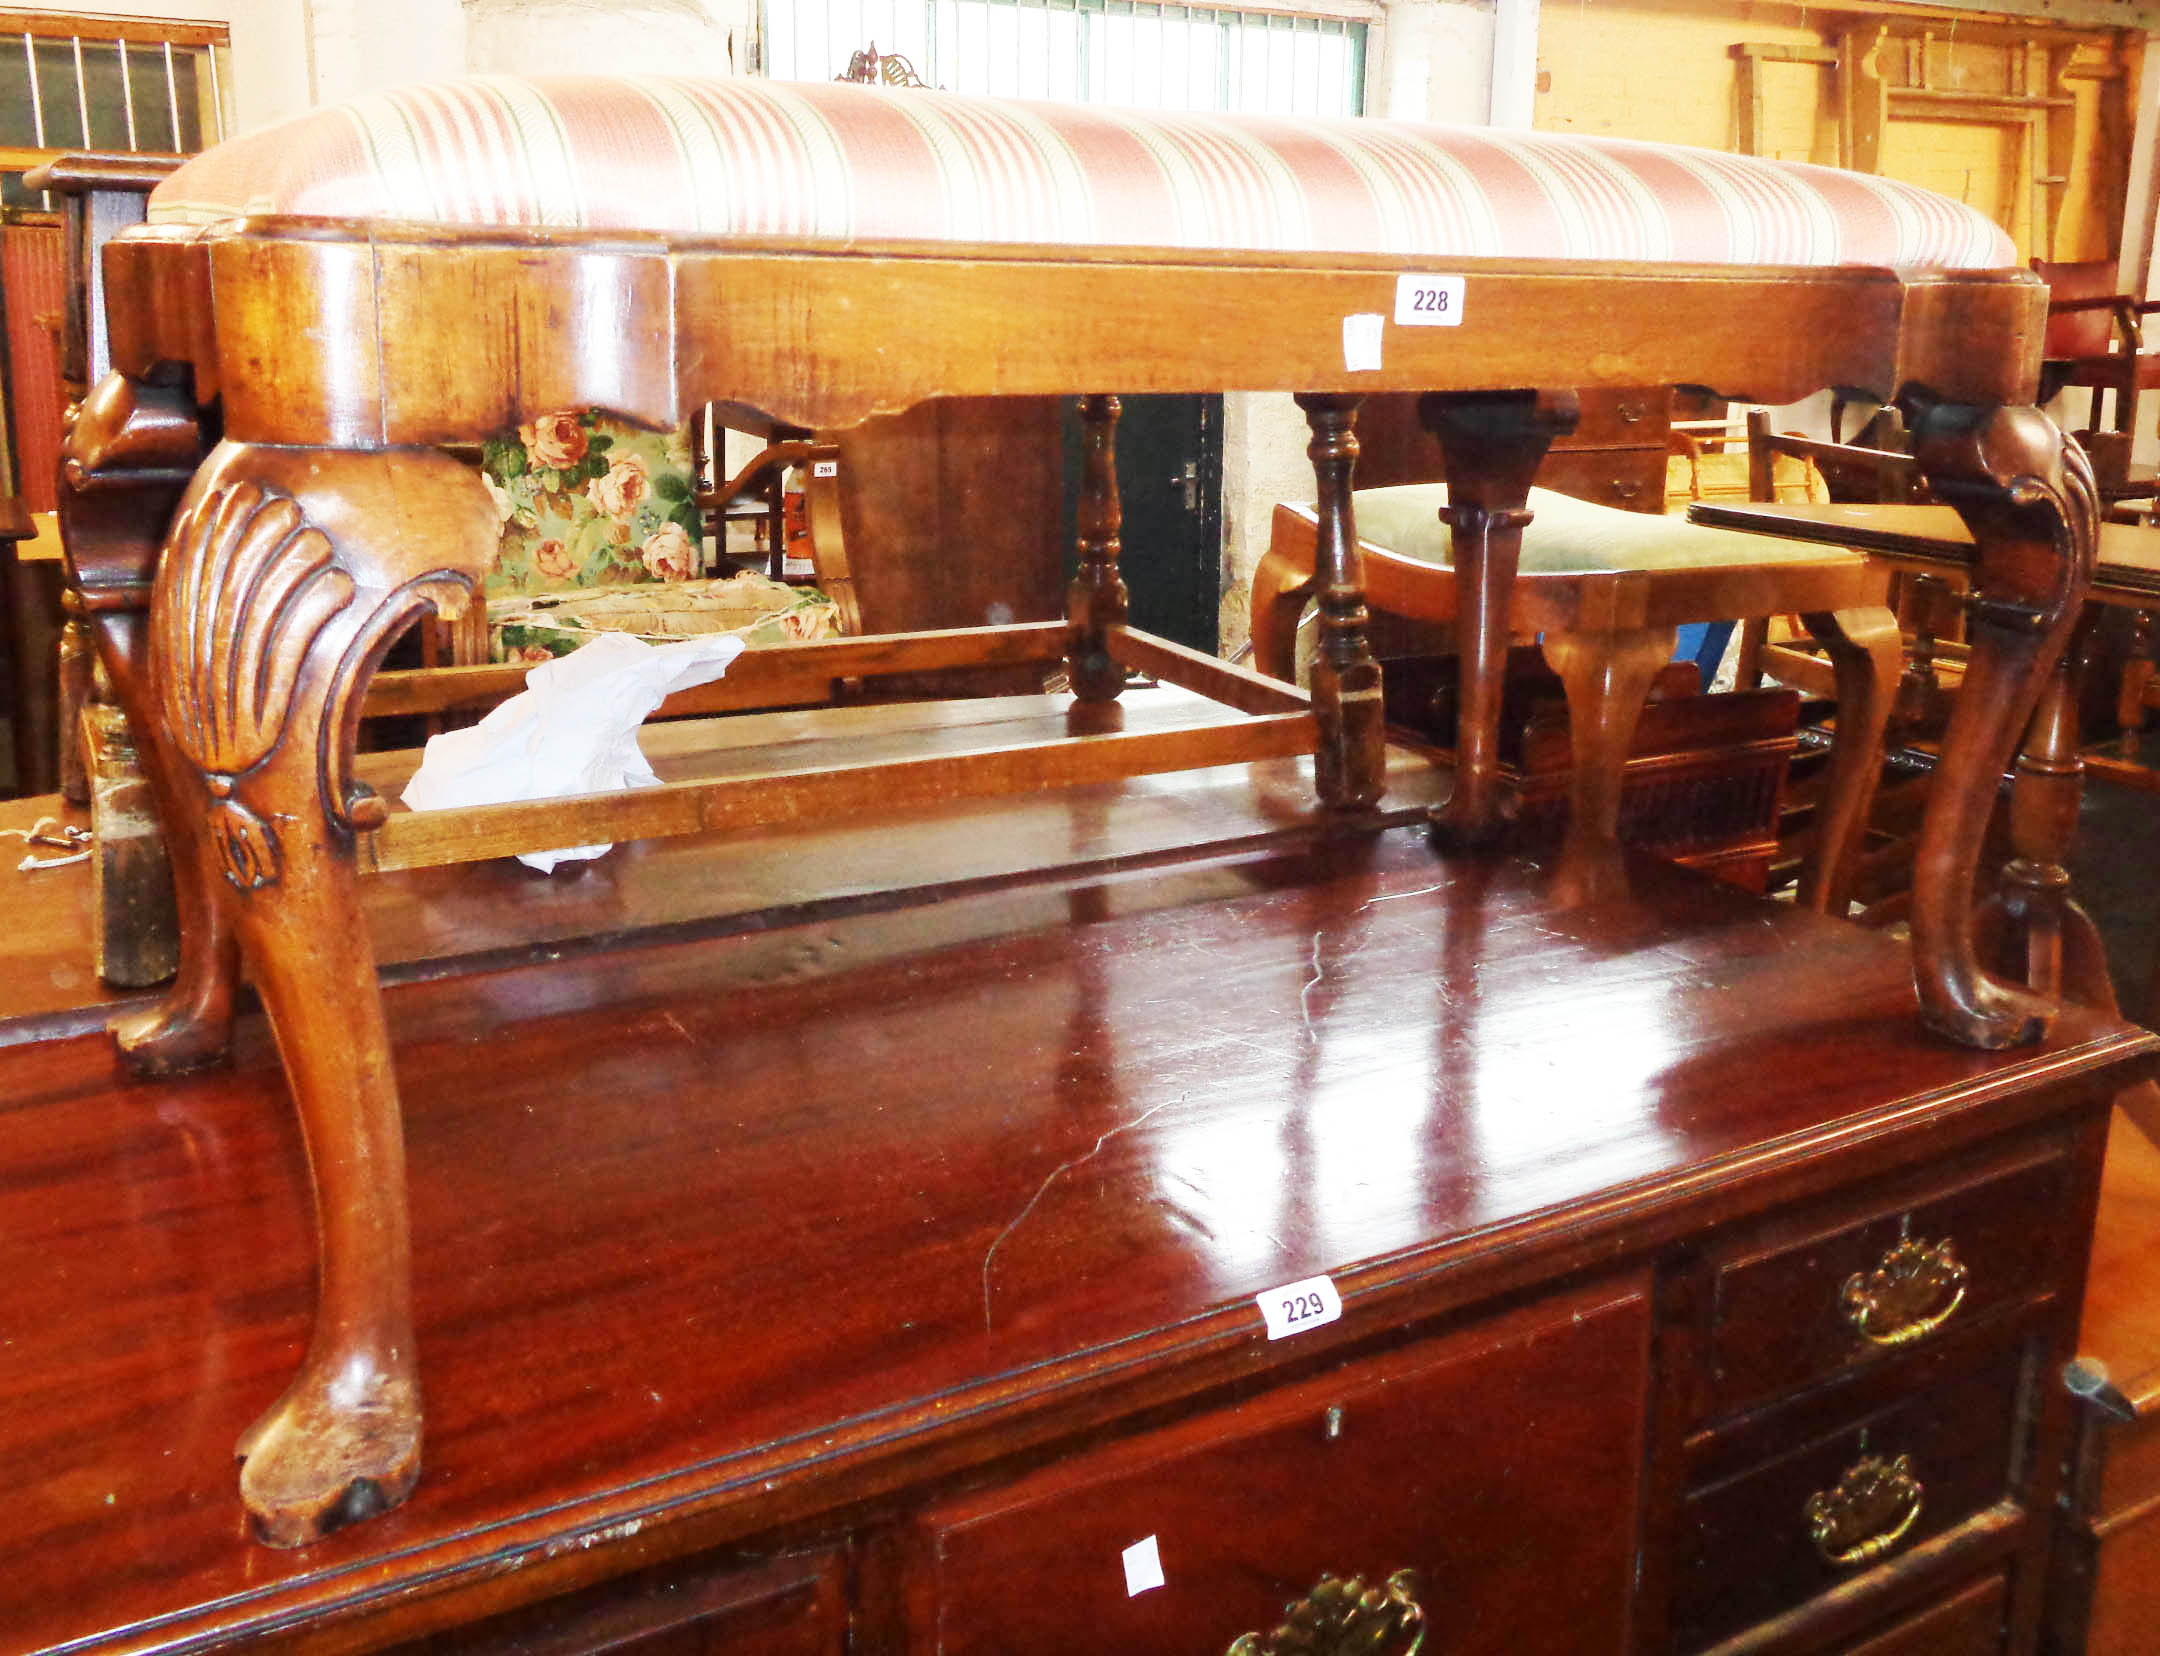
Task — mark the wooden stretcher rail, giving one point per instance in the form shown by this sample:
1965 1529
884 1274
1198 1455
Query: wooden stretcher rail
1280 724
793 673
424 839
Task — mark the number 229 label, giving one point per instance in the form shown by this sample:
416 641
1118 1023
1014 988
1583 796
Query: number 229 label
1428 301
1298 1306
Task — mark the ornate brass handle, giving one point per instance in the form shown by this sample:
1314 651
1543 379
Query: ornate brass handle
1345 1618
1870 1511
1908 1296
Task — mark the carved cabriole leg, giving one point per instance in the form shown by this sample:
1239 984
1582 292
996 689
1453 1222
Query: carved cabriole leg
1867 653
1097 600
1490 444
1349 763
131 448
287 575
1607 677
2028 498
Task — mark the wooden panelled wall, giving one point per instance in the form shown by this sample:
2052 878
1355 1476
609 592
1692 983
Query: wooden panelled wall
33 294
2029 123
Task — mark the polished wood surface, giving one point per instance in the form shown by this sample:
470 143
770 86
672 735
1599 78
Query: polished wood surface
438 921
731 1241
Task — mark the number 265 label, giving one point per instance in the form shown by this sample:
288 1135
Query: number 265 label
1428 301
1298 1306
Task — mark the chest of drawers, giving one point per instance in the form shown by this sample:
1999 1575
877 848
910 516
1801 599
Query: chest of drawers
886 1282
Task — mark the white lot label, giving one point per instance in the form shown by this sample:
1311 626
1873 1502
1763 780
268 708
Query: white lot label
1428 301
824 468
1361 341
1299 1306
1143 1567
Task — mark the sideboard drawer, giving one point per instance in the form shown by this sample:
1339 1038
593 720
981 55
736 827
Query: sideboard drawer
1630 478
1745 1550
794 1605
1789 1306
1971 1623
1620 416
1465 1457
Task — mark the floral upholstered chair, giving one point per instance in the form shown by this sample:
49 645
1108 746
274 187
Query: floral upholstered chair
590 503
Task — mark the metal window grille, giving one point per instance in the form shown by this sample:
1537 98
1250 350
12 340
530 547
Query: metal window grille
92 84
1090 51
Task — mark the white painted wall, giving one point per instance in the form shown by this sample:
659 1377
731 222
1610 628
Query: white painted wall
710 37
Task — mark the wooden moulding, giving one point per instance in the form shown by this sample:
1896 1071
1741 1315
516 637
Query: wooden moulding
729 321
1279 724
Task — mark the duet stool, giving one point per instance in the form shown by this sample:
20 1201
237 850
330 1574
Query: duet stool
259 501
1604 593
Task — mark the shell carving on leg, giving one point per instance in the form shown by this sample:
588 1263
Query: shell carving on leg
246 586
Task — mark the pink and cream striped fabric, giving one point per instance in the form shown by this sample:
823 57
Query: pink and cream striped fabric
836 164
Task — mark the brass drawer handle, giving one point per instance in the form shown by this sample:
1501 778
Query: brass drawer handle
1875 1503
1345 1618
1908 1296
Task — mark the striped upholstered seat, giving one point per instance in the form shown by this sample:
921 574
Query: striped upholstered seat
840 163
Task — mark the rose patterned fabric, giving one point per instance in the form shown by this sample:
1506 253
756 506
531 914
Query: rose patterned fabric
588 500
758 610
835 164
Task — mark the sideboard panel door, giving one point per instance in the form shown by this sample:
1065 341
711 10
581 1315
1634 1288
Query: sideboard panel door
1498 1462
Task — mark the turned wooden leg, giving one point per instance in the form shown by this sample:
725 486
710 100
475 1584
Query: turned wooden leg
1096 600
1868 655
287 575
2137 677
1491 444
1607 677
1351 759
76 654
1282 587
1747 664
131 448
2029 501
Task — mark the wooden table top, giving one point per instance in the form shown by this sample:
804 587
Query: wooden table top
709 1233
2128 570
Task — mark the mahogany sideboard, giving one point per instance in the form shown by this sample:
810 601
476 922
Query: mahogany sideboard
876 1278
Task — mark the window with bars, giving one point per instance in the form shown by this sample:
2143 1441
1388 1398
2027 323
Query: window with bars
1089 51
101 83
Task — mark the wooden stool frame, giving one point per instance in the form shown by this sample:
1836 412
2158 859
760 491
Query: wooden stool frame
266 457
1607 634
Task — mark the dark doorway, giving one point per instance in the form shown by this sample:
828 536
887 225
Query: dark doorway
1169 467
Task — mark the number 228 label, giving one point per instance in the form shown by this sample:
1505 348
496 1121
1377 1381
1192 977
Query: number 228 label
1428 301
1298 1306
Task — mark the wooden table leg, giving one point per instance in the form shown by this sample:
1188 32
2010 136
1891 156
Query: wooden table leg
1867 654
130 450
1607 678
1096 600
287 575
1351 757
1491 444
2028 499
